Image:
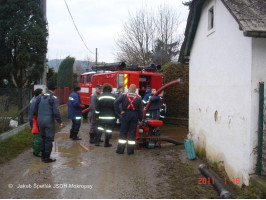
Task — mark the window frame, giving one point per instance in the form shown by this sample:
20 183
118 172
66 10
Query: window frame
211 19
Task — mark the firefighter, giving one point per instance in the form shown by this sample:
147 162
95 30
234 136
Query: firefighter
92 118
105 114
75 113
154 109
146 96
47 110
36 141
119 91
132 111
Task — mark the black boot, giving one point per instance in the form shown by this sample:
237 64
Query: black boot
106 140
120 148
130 149
100 136
97 138
46 158
92 138
97 142
107 144
75 136
71 134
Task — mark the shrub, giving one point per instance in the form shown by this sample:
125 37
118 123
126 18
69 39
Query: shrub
65 72
176 97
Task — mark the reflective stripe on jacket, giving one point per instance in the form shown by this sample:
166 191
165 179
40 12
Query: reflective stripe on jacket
105 106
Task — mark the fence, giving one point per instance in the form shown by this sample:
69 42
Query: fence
13 105
63 94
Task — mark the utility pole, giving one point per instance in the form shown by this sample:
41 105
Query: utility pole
96 58
44 75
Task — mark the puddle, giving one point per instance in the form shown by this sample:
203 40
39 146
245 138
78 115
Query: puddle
65 144
78 163
178 133
70 153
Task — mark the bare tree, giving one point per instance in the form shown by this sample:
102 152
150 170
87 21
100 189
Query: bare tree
150 37
136 42
168 39
79 69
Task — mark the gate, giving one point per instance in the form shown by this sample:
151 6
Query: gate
261 160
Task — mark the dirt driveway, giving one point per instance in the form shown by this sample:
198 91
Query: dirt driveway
86 171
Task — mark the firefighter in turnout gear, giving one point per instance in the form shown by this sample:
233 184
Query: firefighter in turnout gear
105 113
47 110
36 141
92 118
132 111
75 113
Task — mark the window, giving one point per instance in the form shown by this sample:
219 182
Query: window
83 79
120 80
89 79
211 18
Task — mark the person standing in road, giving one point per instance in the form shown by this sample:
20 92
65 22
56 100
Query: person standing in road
146 96
47 111
132 111
155 106
105 113
91 116
119 91
36 140
75 113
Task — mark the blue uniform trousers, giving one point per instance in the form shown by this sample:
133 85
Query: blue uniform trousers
128 124
47 137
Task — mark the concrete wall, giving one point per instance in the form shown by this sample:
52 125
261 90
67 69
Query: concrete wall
258 75
13 132
220 92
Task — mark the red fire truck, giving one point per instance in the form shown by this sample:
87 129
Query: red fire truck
119 74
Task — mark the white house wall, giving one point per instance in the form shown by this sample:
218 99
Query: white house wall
258 75
220 77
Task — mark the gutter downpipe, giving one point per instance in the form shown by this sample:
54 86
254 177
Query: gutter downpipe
260 135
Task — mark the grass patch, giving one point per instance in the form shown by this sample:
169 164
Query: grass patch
12 147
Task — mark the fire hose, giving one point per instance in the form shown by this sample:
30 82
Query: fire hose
178 81
85 110
217 184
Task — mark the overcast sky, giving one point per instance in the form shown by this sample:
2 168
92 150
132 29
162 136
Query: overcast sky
99 22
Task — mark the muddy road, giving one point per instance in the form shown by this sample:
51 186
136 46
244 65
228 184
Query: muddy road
85 171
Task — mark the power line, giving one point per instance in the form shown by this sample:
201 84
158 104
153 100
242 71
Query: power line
77 28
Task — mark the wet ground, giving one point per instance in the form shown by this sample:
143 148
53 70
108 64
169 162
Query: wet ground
86 171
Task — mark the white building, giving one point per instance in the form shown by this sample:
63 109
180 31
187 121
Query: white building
225 45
